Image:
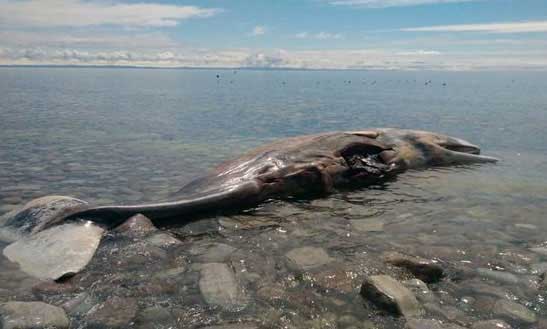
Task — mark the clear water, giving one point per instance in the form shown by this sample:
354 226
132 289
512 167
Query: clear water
134 135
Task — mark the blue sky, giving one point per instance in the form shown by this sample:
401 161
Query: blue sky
372 34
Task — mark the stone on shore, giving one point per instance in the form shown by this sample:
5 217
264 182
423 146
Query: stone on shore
115 312
307 258
426 270
35 315
513 311
57 252
137 226
391 295
219 287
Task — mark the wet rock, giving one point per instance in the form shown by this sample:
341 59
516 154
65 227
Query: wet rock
390 294
510 310
219 287
213 252
337 279
447 312
172 273
115 312
35 315
234 326
137 226
499 276
157 317
491 324
307 258
430 324
539 268
56 252
53 288
540 250
426 270
271 292
163 240
420 290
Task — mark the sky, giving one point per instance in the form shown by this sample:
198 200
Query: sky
302 34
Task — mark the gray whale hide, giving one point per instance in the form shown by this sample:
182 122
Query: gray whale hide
291 167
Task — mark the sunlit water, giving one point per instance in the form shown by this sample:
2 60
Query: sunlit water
129 136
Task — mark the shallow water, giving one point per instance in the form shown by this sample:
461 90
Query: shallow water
130 135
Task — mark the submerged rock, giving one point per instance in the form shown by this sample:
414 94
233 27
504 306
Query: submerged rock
307 258
57 252
426 270
491 324
162 240
499 276
391 295
510 310
430 324
219 287
115 312
35 315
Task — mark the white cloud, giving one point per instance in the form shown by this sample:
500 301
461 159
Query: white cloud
419 52
507 27
319 36
391 3
78 13
258 30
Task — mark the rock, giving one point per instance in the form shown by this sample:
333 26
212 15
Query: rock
499 276
540 250
157 317
426 270
163 240
491 324
171 273
539 268
35 315
213 252
233 326
115 312
337 279
388 293
513 311
368 225
307 258
57 252
53 288
219 287
81 304
430 324
137 226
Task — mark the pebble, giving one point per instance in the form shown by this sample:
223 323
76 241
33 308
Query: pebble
513 311
219 287
390 294
115 312
424 269
491 324
212 253
35 315
307 258
163 240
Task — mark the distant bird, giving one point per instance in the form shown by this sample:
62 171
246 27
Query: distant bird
218 76
444 84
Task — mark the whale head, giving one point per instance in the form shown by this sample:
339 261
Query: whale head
416 148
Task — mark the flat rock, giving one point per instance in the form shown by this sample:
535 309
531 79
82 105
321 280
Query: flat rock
115 312
426 270
213 252
35 315
34 216
491 324
513 311
219 287
391 295
137 226
430 324
56 252
307 258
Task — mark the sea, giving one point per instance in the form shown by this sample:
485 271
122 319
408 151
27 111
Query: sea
131 135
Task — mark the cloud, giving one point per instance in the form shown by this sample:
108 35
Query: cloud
318 36
419 52
78 13
391 3
258 30
507 27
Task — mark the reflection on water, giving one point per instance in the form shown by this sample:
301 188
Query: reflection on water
127 136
